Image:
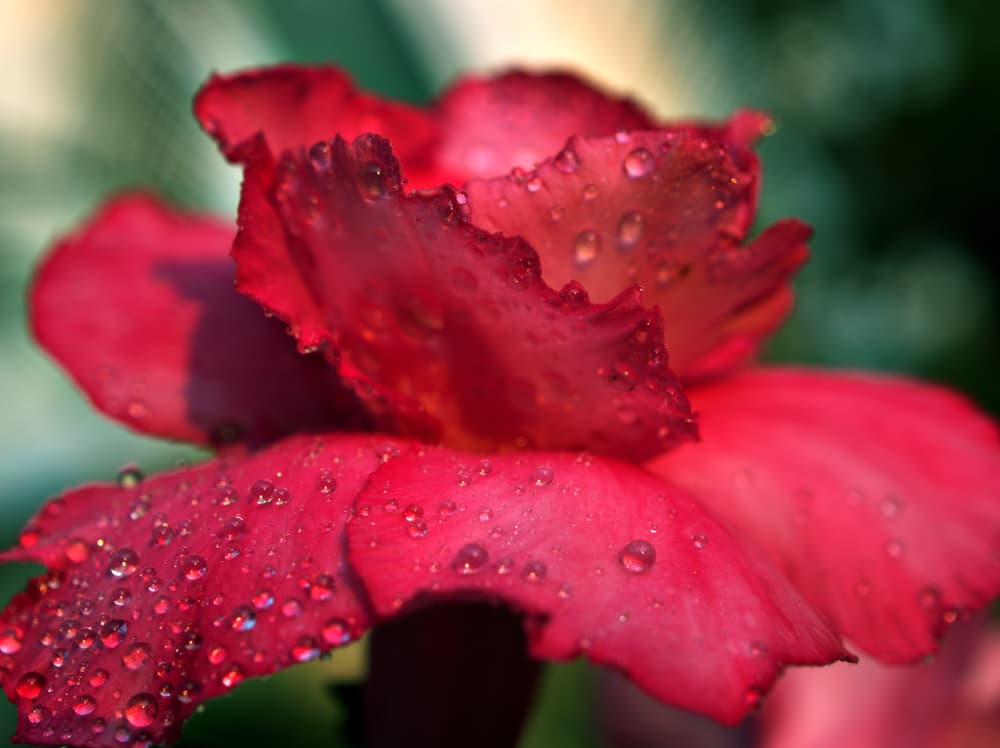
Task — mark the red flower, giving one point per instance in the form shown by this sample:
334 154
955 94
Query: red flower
817 506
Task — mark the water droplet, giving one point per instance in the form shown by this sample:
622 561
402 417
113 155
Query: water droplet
30 685
77 551
98 678
243 619
262 492
113 633
637 557
372 181
505 565
120 597
161 605
136 656
567 161
699 540
336 632
639 164
10 642
129 476
534 571
890 507
590 192
140 711
84 705
262 599
417 529
485 514
233 528
630 229
193 567
757 649
667 272
305 649
533 184
291 608
326 482
470 559
216 655
894 548
232 676
160 537
543 476
621 377
586 245
322 588
320 155
123 563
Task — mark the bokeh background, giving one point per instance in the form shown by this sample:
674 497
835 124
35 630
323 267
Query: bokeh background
886 112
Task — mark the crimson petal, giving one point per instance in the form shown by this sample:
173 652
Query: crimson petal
440 325
669 210
166 594
877 496
517 119
138 305
293 105
606 560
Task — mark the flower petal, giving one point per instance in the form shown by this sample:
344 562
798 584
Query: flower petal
607 560
518 118
293 105
138 306
877 496
669 210
440 325
161 596
921 706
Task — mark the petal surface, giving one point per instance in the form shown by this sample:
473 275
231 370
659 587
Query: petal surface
440 326
669 210
877 496
166 594
517 119
138 305
605 559
480 126
293 105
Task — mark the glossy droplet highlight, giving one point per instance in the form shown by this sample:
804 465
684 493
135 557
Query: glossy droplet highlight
140 711
586 245
470 559
543 476
84 705
193 567
123 563
243 619
637 557
630 228
567 161
30 685
639 164
136 656
534 571
113 633
336 632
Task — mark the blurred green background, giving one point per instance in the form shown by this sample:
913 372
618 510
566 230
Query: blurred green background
885 145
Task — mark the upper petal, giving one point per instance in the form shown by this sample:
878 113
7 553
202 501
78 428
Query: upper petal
480 126
878 496
293 105
161 596
440 325
490 125
670 210
138 305
607 560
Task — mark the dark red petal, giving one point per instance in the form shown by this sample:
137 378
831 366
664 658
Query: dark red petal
669 210
877 496
138 305
606 560
438 323
877 706
517 119
164 595
292 105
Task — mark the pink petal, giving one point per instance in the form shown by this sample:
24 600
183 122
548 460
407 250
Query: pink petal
161 596
669 210
877 496
442 326
875 706
517 119
293 105
138 306
607 561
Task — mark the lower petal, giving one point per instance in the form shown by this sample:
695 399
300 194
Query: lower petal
605 559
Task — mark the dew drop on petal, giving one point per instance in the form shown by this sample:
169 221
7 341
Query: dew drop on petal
77 551
193 567
637 557
543 476
639 164
84 705
136 656
10 641
243 619
699 540
113 633
305 649
30 685
534 571
123 563
470 559
630 229
130 476
232 676
586 245
417 529
567 161
140 711
336 632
